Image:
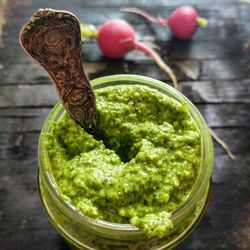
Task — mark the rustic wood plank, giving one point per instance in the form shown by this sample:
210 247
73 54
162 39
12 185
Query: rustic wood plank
238 139
18 145
3 5
237 90
141 3
23 145
21 209
25 95
216 11
228 208
19 120
197 91
217 91
34 74
173 49
216 115
15 184
226 69
225 115
231 69
229 30
138 3
178 50
34 228
183 69
205 70
168 49
202 50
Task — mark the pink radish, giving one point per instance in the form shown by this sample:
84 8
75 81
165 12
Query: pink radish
183 22
117 37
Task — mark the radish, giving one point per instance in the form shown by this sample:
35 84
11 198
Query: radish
117 37
183 22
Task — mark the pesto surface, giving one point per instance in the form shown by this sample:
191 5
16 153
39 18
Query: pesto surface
143 172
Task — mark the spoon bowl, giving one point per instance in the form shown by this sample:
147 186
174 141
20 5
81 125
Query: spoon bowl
53 39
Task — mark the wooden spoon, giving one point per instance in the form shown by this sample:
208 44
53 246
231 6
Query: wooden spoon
53 39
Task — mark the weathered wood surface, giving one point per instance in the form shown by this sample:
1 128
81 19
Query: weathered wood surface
23 144
217 116
214 72
44 94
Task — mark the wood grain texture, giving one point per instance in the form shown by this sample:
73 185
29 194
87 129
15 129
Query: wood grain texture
32 226
213 92
216 115
3 4
214 69
22 145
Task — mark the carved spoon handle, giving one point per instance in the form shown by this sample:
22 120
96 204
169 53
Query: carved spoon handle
53 39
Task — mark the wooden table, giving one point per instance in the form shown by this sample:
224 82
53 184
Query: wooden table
214 72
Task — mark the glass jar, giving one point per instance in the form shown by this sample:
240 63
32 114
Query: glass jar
82 232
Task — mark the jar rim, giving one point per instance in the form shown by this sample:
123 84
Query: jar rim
206 153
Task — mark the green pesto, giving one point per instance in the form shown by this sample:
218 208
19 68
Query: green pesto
143 172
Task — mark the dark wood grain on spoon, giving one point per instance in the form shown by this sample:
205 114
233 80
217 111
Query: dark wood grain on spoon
53 39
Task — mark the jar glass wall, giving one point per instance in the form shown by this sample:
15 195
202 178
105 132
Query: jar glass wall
83 232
